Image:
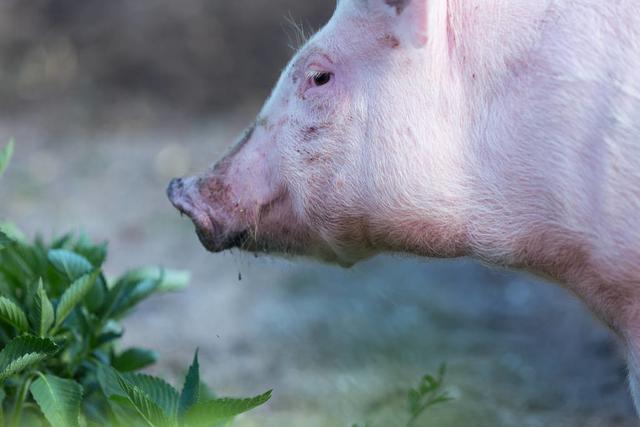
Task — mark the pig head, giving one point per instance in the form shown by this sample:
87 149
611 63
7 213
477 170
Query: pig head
335 165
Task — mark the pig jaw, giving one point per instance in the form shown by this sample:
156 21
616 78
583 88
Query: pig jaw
269 228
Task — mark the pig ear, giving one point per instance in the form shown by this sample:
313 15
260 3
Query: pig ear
414 18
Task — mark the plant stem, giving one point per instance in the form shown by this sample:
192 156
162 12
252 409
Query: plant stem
22 396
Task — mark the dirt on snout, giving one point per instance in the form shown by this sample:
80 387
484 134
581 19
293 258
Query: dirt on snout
337 346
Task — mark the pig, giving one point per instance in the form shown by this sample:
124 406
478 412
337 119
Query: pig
503 130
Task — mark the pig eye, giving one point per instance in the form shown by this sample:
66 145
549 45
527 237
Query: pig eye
319 78
322 79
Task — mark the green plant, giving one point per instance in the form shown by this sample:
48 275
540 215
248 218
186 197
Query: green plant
429 392
5 156
60 364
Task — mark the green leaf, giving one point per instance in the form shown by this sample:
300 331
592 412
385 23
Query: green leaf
144 392
108 380
12 231
128 291
170 280
191 389
138 292
158 390
11 313
23 352
73 295
144 405
95 297
5 240
111 331
174 280
122 407
32 417
69 263
42 315
5 156
62 242
21 363
118 298
134 359
203 413
2 396
137 285
59 399
95 254
125 414
427 394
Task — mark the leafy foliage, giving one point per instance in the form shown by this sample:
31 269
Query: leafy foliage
191 389
59 400
429 392
60 364
42 314
12 314
202 413
135 359
22 352
156 403
5 156
73 295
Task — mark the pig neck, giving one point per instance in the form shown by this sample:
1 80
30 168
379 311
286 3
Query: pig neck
550 187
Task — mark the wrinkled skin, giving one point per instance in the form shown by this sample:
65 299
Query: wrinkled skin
506 130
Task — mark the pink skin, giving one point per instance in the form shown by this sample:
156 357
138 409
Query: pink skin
506 130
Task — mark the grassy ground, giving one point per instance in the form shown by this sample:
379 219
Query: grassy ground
337 346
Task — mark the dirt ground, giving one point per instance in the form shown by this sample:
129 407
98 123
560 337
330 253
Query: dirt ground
337 346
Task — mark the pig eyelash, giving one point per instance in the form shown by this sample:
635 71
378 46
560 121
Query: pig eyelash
312 74
319 78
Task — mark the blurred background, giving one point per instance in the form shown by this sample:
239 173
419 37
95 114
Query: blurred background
109 99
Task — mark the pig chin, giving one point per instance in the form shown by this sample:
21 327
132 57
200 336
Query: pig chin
214 236
218 242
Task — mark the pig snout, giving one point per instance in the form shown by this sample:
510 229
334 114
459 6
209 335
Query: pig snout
179 195
186 196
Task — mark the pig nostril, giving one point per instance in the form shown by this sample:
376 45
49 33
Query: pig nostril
177 192
174 192
175 185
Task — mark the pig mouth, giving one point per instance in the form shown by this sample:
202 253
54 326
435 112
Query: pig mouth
216 235
209 231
